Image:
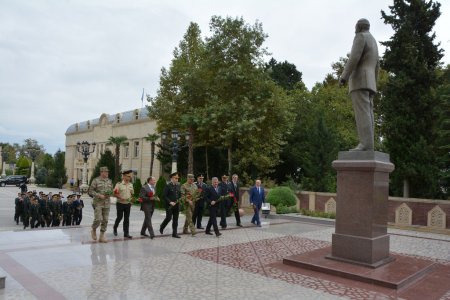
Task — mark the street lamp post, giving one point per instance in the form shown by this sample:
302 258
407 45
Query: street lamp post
85 149
175 146
33 152
4 157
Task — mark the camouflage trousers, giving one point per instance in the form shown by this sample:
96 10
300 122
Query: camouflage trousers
101 215
189 211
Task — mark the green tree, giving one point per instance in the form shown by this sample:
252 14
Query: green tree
181 95
57 177
284 74
117 141
106 160
409 105
23 166
248 112
443 144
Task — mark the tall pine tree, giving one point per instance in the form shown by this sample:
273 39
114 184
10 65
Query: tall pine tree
409 106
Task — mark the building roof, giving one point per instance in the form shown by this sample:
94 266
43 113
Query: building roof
125 117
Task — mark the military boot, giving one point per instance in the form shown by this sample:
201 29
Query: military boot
185 231
94 234
102 238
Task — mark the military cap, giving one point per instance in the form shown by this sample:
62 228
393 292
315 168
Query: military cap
104 169
173 174
127 172
200 176
190 176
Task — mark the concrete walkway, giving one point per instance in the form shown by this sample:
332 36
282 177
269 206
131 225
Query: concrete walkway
244 263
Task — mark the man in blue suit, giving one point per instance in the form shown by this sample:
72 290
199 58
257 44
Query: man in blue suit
257 198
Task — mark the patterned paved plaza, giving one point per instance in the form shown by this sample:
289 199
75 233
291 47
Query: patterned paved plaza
244 263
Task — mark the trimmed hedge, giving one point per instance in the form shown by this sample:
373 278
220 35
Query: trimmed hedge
281 196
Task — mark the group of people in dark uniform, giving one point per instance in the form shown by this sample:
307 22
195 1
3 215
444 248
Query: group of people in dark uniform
47 210
219 199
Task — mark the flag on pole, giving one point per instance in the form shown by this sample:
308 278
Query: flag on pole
142 97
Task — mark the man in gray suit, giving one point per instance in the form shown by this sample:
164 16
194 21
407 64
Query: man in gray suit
361 71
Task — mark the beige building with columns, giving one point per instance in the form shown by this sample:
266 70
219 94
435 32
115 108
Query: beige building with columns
134 153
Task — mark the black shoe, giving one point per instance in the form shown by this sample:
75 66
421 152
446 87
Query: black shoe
152 236
224 227
208 233
144 234
200 228
176 236
218 234
128 236
240 225
115 232
161 230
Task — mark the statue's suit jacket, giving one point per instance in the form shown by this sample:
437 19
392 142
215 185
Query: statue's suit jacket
362 67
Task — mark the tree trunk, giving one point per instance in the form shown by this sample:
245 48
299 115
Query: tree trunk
191 152
117 164
229 161
152 157
207 165
405 188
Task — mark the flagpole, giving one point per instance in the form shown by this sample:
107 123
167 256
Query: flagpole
142 98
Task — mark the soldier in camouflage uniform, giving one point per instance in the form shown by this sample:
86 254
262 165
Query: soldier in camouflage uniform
189 192
101 189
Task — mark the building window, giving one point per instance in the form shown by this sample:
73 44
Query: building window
102 149
118 118
136 149
136 114
89 124
126 150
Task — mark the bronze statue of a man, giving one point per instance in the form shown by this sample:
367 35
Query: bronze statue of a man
361 72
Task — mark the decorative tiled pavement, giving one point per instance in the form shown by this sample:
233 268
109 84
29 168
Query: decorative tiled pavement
244 263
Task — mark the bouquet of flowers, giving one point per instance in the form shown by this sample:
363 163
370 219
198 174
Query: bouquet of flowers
179 201
235 203
225 197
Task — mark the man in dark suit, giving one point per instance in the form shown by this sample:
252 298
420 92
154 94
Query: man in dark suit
224 206
200 204
233 187
257 198
148 196
212 195
361 72
172 193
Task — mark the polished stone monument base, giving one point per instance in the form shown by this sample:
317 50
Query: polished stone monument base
369 252
395 275
361 208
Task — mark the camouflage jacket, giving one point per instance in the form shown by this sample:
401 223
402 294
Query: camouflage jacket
101 186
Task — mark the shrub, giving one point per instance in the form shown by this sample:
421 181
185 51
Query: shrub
281 196
319 214
286 210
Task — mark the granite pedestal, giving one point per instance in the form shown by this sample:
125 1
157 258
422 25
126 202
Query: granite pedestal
361 208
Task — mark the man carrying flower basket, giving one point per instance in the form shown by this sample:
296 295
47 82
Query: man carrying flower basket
148 197
172 196
189 193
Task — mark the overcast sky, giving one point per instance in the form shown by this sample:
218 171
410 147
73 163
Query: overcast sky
66 61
